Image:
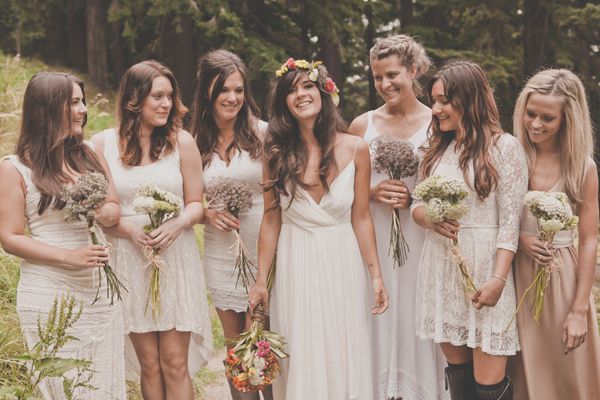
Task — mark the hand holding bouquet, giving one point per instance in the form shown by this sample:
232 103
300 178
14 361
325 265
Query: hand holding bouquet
82 199
397 158
253 363
160 205
232 195
443 199
553 214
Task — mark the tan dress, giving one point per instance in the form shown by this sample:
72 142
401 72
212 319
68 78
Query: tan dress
541 370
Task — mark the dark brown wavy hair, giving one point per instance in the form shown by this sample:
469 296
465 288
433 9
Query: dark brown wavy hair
468 90
217 66
135 86
285 152
46 142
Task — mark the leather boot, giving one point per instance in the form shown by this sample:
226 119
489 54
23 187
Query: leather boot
499 391
460 381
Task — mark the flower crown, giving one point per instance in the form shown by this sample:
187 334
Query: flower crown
316 73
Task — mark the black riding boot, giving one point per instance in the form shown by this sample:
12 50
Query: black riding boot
460 380
499 391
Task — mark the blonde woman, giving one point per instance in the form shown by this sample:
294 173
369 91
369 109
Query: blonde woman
403 365
560 357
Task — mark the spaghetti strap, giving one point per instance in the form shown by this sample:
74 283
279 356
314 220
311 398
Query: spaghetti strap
355 147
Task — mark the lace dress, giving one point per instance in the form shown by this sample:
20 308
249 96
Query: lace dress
444 313
320 298
404 366
184 306
219 255
99 330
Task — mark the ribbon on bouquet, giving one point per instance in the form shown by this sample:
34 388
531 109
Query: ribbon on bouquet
153 259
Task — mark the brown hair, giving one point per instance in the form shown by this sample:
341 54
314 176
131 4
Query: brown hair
46 142
468 90
285 152
135 86
217 66
409 52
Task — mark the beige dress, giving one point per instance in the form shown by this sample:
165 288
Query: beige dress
541 370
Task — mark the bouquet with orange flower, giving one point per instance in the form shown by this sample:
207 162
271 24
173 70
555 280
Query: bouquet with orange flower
253 363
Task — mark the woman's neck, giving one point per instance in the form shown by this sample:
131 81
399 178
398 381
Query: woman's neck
307 133
226 128
409 106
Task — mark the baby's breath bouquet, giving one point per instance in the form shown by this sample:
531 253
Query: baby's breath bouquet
396 158
232 195
553 214
160 205
82 198
253 363
443 199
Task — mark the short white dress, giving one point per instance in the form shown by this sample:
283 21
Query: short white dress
444 312
99 330
219 251
404 366
182 290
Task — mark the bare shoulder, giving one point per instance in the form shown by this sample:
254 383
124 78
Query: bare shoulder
10 175
358 127
185 138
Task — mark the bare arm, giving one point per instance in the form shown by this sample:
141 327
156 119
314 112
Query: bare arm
191 172
363 225
110 212
575 326
268 236
12 229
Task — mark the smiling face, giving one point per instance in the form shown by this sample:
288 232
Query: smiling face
543 118
78 110
304 99
157 105
393 80
230 100
443 110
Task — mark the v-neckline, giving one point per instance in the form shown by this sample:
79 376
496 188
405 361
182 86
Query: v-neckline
333 181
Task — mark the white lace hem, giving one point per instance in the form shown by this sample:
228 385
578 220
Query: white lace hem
405 387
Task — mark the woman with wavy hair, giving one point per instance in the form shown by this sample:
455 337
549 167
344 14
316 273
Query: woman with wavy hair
228 133
552 121
57 258
149 146
403 365
468 144
317 217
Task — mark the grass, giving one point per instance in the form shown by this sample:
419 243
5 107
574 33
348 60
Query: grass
16 73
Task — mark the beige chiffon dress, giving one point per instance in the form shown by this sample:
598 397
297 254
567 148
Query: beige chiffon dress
541 370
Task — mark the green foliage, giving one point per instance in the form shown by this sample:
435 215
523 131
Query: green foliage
43 360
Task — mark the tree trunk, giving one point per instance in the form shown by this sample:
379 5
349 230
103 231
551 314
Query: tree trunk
96 42
76 48
406 13
370 41
116 53
54 50
331 56
536 44
178 51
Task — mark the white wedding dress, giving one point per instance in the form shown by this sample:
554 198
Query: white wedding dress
99 330
404 366
320 299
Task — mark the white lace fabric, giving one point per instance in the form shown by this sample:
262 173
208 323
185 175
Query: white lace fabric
444 313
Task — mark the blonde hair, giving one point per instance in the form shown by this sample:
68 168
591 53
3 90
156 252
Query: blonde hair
409 52
575 136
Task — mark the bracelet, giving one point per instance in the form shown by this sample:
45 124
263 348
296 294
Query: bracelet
499 277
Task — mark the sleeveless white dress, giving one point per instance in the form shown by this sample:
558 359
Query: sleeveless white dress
404 366
444 313
320 299
182 288
99 330
219 254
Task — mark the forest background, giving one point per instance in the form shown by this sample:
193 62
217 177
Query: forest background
511 39
100 39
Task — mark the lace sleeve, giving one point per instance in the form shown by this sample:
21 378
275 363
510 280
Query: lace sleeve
512 187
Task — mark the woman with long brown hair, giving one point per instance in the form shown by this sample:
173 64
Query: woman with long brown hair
560 354
228 132
467 143
58 260
149 146
317 216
